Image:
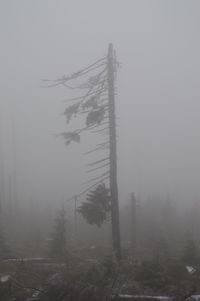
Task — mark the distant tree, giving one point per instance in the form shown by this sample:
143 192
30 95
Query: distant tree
133 235
4 252
3 246
193 220
168 208
161 248
97 207
191 252
58 243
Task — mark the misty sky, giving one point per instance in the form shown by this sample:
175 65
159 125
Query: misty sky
158 107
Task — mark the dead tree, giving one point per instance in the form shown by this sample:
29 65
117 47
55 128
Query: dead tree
113 155
97 102
133 225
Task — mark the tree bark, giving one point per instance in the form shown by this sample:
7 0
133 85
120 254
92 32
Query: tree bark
113 157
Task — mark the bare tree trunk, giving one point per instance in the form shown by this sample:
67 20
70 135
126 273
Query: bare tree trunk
15 192
133 226
75 221
113 157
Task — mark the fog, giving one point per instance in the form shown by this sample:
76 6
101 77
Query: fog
99 150
157 103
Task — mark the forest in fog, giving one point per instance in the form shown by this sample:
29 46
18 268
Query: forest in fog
99 150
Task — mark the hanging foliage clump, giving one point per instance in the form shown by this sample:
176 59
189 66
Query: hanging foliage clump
95 117
71 136
90 103
71 111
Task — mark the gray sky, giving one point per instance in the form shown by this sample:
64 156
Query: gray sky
157 42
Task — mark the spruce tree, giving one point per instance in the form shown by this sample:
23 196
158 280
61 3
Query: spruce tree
58 244
97 207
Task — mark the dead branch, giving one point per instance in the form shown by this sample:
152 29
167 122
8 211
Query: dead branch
99 161
97 178
94 169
